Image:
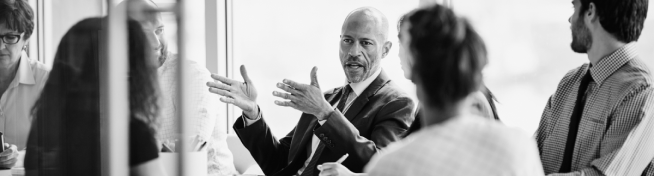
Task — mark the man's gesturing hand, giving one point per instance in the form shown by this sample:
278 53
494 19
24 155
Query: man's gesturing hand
306 98
240 94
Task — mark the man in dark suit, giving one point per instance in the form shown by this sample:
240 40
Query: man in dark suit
357 119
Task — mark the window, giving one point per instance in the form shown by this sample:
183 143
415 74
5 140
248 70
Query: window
285 39
529 51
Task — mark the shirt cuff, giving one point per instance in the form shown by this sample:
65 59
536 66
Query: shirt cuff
247 121
321 122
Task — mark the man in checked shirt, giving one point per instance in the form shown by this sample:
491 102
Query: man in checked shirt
203 117
593 124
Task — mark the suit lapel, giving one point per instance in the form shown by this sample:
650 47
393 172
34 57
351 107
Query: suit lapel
307 121
306 134
361 100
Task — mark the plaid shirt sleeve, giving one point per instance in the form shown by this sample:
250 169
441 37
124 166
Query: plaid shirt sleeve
638 149
542 128
636 106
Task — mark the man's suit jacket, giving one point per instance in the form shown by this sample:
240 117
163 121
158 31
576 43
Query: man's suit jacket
376 118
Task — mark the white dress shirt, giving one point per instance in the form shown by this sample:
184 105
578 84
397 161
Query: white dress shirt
357 89
203 116
19 98
465 145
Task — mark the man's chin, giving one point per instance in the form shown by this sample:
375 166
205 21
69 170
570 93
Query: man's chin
354 78
577 48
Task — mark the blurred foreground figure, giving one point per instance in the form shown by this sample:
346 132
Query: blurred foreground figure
21 78
599 120
448 57
359 118
65 138
204 116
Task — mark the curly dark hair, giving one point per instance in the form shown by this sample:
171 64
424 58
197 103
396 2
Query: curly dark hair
17 15
622 18
448 55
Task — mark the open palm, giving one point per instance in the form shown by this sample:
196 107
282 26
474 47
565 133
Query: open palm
240 94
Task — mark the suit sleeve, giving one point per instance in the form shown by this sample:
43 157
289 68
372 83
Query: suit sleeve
388 126
630 149
271 154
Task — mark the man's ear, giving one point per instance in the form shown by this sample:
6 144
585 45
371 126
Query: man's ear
591 13
386 48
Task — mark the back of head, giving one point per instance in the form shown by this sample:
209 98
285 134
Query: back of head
448 56
17 15
76 66
66 128
622 18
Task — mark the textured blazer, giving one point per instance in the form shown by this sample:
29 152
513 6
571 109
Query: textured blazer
375 118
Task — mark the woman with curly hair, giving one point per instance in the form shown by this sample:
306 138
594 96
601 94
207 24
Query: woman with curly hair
66 133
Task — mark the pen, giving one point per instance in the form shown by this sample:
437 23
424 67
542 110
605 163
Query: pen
339 161
2 142
202 146
166 148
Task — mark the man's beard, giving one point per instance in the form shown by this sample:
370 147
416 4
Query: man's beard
581 40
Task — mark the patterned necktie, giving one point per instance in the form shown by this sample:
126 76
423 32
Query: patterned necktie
308 171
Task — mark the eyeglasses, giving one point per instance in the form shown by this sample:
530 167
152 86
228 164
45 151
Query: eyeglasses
10 39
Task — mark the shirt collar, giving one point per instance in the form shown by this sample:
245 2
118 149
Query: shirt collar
25 74
359 87
612 62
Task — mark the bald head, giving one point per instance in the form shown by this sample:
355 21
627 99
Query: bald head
363 43
368 17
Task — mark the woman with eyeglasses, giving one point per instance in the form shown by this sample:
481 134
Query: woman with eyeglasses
21 78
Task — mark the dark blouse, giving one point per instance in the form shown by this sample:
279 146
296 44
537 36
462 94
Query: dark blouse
65 140
142 144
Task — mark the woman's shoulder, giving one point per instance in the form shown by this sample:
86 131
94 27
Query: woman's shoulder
39 70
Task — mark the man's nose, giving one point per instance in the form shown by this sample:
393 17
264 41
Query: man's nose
153 40
355 50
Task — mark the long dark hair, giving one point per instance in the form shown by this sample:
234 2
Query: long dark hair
76 68
65 134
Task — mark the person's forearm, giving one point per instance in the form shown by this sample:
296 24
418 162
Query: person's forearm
640 144
270 153
250 118
254 114
583 172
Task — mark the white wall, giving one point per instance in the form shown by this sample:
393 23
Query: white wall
60 15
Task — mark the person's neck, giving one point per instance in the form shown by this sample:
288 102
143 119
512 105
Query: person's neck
162 60
8 71
433 116
602 47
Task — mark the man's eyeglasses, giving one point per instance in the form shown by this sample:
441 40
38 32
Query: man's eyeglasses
10 39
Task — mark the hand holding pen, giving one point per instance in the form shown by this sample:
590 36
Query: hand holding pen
197 144
335 168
